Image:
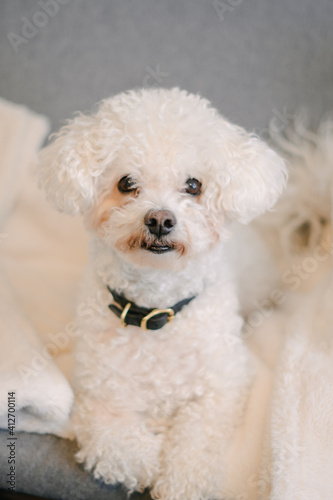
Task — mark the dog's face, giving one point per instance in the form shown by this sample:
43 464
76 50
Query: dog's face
157 174
155 210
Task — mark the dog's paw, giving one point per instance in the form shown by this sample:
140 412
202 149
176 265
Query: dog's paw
130 459
191 469
169 488
183 482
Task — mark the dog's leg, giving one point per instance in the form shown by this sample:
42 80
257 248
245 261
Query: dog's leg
118 446
194 455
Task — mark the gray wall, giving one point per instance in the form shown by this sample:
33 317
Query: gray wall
254 59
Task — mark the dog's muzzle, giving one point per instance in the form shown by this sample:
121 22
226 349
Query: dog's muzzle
160 223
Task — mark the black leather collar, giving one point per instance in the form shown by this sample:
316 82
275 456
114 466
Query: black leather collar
147 319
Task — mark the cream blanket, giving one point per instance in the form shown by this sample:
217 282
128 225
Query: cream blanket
283 451
34 300
301 424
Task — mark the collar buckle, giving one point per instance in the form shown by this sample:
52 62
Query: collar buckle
124 314
155 312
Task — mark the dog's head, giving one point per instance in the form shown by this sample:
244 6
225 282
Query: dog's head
158 174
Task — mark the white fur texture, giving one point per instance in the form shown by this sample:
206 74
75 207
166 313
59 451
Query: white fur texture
158 409
305 209
299 230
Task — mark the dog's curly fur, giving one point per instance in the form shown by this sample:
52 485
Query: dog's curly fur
299 232
158 409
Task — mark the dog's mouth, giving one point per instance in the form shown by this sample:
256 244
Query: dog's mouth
157 248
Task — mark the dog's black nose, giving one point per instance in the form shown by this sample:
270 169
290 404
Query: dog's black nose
160 222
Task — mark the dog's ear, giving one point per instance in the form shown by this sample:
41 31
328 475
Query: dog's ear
250 176
70 168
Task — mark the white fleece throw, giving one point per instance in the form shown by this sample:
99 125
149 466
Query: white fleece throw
302 410
42 395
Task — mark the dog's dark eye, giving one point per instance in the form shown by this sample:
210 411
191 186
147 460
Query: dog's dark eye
193 187
126 184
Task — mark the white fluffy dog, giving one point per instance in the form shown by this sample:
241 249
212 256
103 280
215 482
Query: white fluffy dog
162 374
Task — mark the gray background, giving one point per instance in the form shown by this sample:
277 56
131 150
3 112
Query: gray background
256 60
